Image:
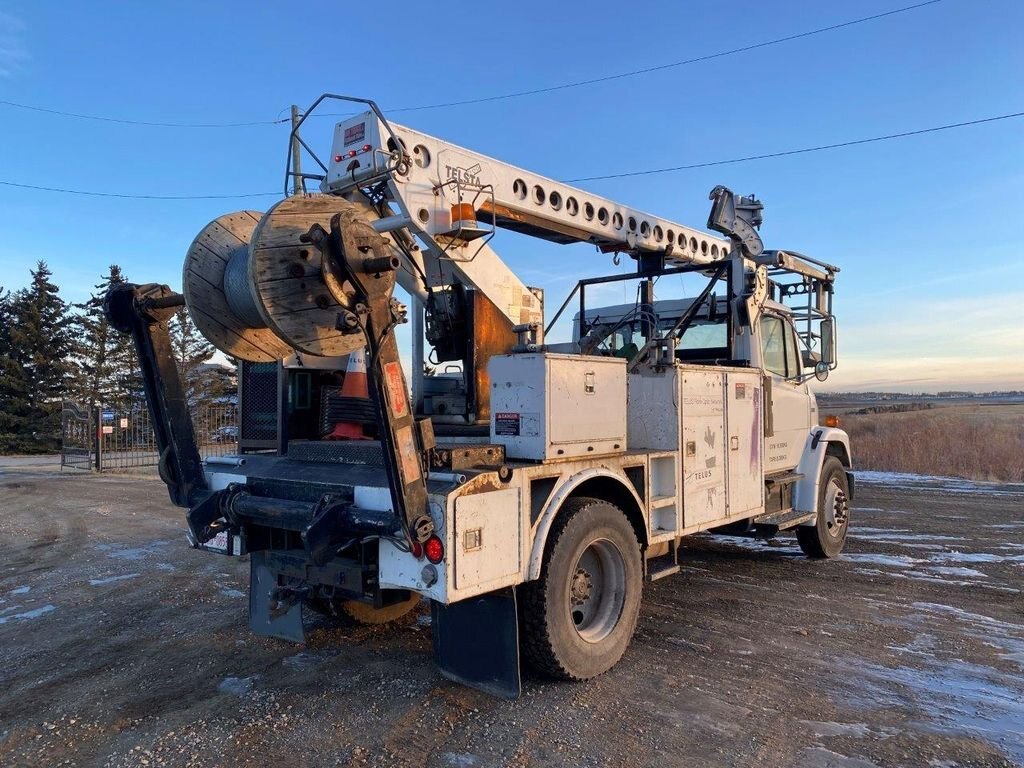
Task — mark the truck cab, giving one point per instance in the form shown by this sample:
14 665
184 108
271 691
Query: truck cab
777 348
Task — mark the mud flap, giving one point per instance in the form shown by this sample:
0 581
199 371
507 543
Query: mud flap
270 613
476 642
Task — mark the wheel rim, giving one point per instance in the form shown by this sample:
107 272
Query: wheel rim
597 590
837 509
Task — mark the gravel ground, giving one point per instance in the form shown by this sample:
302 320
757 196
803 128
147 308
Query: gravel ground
122 647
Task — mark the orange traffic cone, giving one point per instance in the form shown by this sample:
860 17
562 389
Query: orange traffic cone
354 386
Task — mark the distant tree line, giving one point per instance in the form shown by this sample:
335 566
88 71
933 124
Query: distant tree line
52 351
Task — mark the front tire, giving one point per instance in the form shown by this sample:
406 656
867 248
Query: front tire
578 618
828 534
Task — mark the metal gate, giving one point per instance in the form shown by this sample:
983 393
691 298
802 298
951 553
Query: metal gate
78 437
108 440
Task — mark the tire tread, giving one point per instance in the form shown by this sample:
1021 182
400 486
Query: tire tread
536 634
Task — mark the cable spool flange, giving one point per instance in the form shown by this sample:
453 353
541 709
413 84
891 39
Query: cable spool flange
288 279
221 303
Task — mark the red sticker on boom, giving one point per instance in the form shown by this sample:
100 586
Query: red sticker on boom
396 389
355 133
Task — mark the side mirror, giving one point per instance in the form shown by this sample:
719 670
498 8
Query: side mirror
828 343
821 370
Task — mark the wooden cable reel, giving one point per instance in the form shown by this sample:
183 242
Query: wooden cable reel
258 293
221 306
298 298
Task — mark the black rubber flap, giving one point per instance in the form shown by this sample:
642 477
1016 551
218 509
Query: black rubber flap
476 642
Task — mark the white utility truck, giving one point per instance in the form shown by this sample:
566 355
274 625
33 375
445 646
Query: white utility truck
529 491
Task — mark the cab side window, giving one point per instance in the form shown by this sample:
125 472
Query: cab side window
773 344
793 365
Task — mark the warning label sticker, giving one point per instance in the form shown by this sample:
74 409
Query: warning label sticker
408 454
395 385
741 391
507 424
355 133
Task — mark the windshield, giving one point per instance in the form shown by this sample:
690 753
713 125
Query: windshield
625 338
704 334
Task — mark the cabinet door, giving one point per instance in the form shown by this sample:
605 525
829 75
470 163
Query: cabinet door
746 431
702 412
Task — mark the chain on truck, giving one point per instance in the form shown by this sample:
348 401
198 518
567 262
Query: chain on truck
527 489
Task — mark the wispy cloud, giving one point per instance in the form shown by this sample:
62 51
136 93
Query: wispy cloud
13 53
929 343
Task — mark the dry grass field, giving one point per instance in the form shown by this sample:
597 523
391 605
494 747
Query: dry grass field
976 441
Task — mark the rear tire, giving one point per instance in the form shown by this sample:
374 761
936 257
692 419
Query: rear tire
828 534
578 618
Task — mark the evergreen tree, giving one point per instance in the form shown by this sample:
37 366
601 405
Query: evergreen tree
39 364
106 357
13 386
5 320
191 351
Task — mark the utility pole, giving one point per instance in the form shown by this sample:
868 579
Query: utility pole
298 183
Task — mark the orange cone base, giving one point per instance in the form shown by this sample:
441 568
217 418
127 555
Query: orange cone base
345 430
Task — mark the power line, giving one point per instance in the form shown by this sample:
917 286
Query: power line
691 166
496 97
126 121
805 150
134 197
661 67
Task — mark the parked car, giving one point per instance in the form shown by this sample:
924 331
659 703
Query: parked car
225 435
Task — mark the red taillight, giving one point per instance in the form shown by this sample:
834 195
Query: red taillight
352 153
367 147
417 549
338 158
434 550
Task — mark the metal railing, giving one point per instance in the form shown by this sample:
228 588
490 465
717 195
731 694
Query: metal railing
109 440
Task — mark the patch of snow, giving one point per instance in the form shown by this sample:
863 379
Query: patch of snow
899 537
752 544
237 686
119 552
819 757
895 561
20 591
975 557
112 579
962 697
946 570
460 759
857 730
35 613
967 616
907 481
921 645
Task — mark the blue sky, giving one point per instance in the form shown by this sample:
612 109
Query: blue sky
923 228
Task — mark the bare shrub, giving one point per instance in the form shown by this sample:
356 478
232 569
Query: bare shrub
977 443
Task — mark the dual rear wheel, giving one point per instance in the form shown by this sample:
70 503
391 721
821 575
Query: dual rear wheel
578 618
